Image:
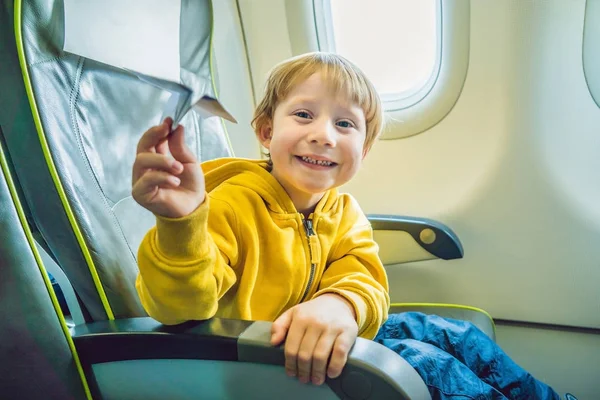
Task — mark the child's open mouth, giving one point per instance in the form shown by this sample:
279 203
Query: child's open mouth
316 164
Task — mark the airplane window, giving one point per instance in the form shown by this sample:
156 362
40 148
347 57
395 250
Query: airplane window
591 49
418 64
395 42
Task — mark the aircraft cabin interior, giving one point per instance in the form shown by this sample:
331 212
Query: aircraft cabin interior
481 193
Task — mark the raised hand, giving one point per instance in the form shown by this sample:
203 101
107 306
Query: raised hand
167 178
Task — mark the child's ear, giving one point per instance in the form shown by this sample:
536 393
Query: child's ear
264 135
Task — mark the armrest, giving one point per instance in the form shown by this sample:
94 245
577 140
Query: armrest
372 371
436 239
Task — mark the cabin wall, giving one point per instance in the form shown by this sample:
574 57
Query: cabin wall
512 169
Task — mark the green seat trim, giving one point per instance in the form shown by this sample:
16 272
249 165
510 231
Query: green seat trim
36 255
50 162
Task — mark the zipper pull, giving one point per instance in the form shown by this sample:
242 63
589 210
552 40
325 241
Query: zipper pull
312 242
308 226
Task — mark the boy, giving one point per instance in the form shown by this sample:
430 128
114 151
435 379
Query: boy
274 240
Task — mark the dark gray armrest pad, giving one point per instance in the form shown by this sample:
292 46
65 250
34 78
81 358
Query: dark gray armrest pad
435 237
145 338
372 371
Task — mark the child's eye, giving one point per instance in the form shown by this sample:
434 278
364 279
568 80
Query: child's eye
302 114
345 124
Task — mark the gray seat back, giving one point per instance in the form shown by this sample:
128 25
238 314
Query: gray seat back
73 125
35 355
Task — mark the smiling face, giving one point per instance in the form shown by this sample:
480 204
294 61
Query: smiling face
316 140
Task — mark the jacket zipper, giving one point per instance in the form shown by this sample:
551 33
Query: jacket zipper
308 228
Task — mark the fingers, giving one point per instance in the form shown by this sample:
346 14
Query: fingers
339 355
306 353
178 148
317 341
280 327
292 347
147 186
311 353
321 357
154 136
146 161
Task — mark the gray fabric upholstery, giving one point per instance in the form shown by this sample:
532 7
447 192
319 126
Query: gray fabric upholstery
35 359
92 117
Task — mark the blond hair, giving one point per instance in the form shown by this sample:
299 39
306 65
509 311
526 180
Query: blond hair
345 78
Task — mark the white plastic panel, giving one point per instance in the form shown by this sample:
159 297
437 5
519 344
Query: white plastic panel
568 361
233 77
267 43
397 247
513 170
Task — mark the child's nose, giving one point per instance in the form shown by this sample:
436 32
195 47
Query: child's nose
324 134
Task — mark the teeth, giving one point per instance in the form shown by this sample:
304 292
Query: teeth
317 162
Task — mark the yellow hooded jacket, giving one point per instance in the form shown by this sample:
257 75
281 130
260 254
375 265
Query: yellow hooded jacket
246 253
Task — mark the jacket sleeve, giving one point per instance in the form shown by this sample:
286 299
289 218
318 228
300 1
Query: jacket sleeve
185 263
355 272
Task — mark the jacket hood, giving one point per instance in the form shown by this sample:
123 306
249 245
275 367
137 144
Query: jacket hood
254 175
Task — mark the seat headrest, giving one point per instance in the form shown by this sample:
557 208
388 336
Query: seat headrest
86 118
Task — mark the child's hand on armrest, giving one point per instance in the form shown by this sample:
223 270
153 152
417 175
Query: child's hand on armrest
171 187
316 330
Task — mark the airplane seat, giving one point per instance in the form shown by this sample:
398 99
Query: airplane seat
36 359
72 124
90 118
218 358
